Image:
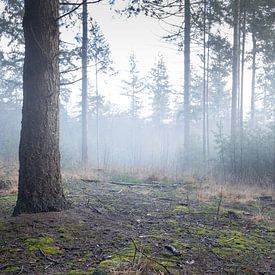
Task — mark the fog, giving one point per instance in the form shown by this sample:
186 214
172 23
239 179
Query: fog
119 141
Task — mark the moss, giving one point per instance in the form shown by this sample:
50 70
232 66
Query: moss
11 269
61 229
9 198
69 264
234 223
2 226
172 221
201 231
43 243
234 242
181 208
79 272
65 237
235 239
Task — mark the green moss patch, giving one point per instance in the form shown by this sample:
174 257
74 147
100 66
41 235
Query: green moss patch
181 208
45 244
9 198
234 242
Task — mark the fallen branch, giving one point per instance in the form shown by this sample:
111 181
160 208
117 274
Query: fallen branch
91 181
21 270
122 183
172 249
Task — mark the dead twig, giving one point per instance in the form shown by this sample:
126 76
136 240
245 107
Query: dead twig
21 270
150 258
4 266
47 257
218 208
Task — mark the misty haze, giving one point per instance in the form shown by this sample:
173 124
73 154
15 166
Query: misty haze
137 137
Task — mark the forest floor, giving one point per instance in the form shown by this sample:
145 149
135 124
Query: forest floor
129 226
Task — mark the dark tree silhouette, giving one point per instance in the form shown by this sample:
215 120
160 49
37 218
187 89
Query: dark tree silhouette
40 188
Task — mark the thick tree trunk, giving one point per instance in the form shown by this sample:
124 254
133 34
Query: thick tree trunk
84 86
187 77
40 188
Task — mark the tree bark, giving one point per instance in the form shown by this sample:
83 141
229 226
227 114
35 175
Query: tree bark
187 77
84 86
40 187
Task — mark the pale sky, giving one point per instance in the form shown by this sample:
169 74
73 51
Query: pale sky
142 35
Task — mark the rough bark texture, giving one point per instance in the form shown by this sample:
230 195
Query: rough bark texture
84 86
40 188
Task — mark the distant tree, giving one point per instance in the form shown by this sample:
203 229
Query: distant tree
235 68
11 59
219 70
160 88
100 55
133 87
40 188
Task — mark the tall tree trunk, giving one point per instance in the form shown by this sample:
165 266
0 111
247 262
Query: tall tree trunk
187 77
204 83
254 51
40 188
207 83
97 113
235 81
235 71
242 86
242 66
84 85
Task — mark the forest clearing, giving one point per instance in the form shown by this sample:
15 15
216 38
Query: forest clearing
132 226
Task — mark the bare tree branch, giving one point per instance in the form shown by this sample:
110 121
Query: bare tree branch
78 5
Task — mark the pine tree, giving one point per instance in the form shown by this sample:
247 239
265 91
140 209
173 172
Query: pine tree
40 188
133 87
160 89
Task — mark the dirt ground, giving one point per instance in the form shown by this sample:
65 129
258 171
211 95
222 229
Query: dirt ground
139 228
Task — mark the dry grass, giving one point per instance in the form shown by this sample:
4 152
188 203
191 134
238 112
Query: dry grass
9 172
205 189
242 193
